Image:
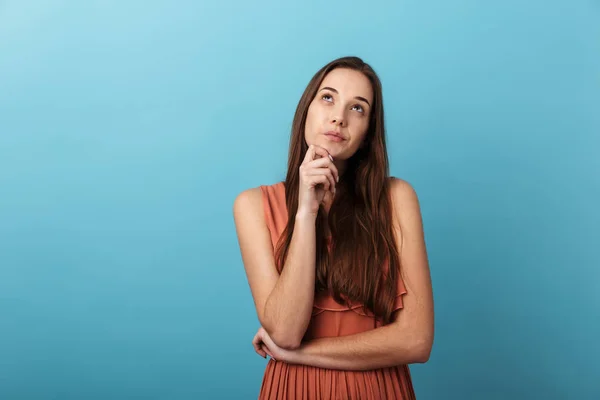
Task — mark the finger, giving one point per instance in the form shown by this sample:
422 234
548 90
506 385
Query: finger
313 151
309 169
261 352
310 154
323 162
258 348
266 350
257 344
313 181
321 152
323 171
267 345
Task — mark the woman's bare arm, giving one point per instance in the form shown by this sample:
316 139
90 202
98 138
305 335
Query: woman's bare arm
409 338
283 302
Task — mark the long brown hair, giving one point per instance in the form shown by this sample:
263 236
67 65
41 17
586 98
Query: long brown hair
364 264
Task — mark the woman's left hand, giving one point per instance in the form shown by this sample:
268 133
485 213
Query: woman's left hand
264 345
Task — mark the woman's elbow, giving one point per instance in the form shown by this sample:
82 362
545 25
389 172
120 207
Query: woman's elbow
422 351
283 340
286 341
284 337
422 357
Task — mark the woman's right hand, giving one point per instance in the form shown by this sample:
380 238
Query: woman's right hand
318 175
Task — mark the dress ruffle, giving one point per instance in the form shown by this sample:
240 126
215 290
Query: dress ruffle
326 302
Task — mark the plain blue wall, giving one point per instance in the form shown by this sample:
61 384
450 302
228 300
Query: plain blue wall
128 128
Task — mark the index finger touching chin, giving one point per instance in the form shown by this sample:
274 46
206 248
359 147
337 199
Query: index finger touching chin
321 151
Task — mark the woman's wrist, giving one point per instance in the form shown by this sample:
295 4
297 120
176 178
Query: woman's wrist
292 356
303 216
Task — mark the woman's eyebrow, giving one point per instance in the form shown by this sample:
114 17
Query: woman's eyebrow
356 97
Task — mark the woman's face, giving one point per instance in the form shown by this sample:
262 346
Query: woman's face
338 116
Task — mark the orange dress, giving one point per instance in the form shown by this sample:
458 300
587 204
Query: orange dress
329 319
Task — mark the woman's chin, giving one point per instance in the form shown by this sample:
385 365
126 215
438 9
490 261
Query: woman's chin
327 145
331 147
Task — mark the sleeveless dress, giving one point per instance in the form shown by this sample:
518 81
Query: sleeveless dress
329 319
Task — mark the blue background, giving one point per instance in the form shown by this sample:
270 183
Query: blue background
127 128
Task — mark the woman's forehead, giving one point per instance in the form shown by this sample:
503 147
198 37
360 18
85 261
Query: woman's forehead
349 83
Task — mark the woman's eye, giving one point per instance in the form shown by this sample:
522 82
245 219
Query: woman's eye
360 109
327 97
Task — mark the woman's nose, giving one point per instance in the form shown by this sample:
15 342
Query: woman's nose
337 120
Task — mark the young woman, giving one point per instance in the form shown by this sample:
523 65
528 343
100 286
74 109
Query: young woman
335 255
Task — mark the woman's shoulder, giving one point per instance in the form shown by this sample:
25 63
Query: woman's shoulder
251 198
405 204
404 199
399 186
275 186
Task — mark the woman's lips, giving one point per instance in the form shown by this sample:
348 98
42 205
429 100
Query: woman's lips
334 136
